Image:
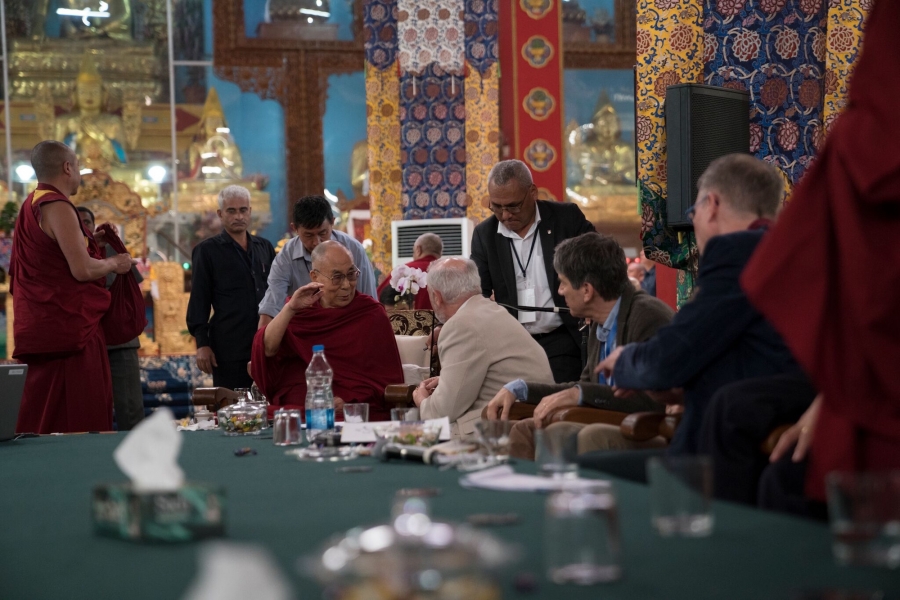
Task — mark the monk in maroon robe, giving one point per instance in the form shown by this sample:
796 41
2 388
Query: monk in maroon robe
837 240
354 328
57 279
427 249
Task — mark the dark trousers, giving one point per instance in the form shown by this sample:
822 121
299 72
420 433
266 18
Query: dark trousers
232 375
624 464
128 397
781 489
738 420
563 353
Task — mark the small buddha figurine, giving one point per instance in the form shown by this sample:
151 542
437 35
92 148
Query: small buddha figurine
96 137
597 154
213 154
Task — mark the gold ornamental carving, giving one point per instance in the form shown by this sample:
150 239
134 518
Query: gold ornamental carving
170 310
114 202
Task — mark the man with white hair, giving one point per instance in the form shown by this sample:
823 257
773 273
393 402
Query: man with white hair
514 253
482 347
229 276
427 249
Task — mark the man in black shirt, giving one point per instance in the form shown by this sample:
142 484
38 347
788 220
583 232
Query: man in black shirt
229 275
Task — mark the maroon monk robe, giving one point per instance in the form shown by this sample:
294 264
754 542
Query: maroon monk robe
422 300
828 275
57 329
359 346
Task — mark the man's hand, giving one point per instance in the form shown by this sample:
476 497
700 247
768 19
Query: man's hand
801 434
338 404
306 296
100 237
425 389
121 263
499 406
206 359
550 403
608 365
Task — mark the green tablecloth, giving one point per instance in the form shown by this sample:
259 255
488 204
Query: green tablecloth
47 548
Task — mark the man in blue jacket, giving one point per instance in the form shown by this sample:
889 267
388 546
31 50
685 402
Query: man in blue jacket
717 338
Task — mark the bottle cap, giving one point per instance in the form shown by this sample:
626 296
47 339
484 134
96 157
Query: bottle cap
318 348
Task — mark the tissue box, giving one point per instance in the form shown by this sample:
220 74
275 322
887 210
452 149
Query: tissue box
194 512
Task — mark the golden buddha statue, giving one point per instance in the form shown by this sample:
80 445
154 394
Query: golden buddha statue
87 18
95 136
214 155
600 166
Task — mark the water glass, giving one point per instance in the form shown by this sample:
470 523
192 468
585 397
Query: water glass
356 413
405 414
286 430
556 453
864 509
581 536
681 495
494 436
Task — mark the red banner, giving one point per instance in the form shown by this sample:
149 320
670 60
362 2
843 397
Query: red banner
532 89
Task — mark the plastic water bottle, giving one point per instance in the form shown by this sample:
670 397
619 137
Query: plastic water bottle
319 398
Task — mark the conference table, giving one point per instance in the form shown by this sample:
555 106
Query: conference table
48 548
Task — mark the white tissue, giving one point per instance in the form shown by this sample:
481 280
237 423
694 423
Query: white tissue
237 572
149 454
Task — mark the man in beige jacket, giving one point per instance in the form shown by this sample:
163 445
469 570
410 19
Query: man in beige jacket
482 347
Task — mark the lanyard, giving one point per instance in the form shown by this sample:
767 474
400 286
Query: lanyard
530 254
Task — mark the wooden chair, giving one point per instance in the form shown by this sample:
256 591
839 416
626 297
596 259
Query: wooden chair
418 323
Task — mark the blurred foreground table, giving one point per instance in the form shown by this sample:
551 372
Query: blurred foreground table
48 550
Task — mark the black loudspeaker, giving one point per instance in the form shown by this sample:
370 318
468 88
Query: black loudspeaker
703 122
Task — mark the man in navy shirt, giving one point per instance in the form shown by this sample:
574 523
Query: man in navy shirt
718 338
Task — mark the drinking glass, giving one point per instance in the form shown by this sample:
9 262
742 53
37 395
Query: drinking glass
581 536
864 509
495 438
405 414
556 453
286 430
681 495
356 413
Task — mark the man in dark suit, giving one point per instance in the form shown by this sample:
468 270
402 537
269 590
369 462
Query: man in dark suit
717 338
514 253
229 275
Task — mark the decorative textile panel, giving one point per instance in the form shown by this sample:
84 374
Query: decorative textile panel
538 93
432 142
846 25
383 125
422 58
775 49
669 42
482 136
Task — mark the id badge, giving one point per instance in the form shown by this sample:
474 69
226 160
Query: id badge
526 298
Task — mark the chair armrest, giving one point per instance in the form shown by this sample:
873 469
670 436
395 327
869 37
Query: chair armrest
518 411
214 398
668 426
642 426
399 395
770 442
586 415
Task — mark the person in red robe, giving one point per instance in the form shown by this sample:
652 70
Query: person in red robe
427 249
354 328
57 279
837 310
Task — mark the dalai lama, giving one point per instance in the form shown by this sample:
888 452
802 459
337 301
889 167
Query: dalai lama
57 278
358 339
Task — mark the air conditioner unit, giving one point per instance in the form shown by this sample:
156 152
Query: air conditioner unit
455 233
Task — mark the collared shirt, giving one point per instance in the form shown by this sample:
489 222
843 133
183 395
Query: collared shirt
292 266
535 274
606 335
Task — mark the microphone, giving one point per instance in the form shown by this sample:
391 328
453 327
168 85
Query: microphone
554 309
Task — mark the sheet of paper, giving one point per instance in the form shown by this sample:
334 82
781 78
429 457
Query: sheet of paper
363 433
504 479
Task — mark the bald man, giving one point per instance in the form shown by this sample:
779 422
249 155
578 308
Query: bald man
428 248
57 278
354 328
